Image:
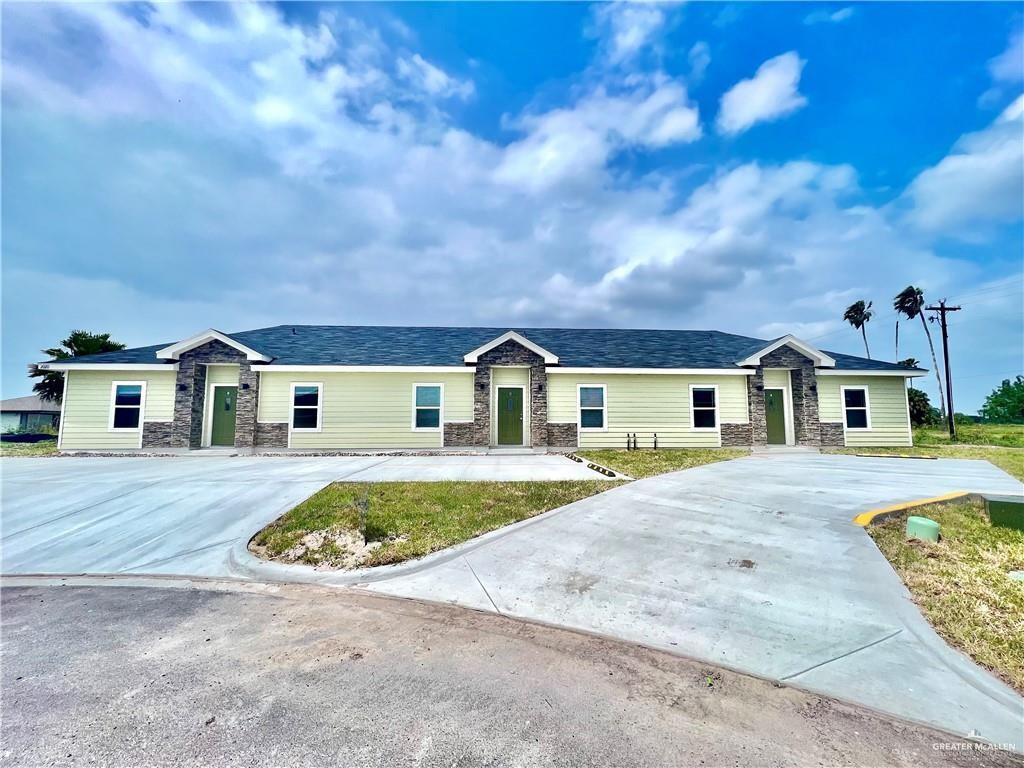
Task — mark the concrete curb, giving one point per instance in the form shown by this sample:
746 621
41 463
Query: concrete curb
243 564
873 516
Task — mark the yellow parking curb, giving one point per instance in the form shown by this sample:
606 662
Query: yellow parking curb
866 518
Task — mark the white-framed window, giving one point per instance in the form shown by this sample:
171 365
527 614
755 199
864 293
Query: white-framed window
427 403
127 399
593 407
704 407
307 406
856 408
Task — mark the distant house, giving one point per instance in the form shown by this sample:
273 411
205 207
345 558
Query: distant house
330 388
27 414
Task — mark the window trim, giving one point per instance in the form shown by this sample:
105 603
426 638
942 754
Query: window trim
439 407
867 406
603 409
113 398
319 406
717 408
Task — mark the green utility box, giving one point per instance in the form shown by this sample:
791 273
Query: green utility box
922 528
1005 511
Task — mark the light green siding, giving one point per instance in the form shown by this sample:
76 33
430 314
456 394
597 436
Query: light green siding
645 404
366 410
887 406
774 378
87 407
222 374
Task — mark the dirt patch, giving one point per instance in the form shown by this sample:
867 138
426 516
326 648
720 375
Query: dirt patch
744 563
334 548
710 679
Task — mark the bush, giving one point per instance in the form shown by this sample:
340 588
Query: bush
922 413
1005 404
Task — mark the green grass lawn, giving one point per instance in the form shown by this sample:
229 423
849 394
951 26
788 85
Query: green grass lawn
42 448
1010 460
1005 435
410 519
646 463
961 584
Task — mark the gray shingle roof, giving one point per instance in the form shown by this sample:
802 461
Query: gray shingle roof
575 347
29 403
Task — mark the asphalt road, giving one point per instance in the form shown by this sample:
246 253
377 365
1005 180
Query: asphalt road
305 676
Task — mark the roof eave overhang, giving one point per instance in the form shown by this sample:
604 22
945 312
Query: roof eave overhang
57 366
662 371
174 351
909 373
820 359
549 358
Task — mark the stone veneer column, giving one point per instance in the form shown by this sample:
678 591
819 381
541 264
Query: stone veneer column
804 390
190 395
479 432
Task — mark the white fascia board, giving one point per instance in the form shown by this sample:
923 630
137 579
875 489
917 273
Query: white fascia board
662 371
820 359
174 351
549 358
364 368
108 366
908 374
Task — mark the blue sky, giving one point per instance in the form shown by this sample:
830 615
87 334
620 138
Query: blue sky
748 167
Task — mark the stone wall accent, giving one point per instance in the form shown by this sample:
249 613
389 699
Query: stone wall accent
460 433
157 434
804 390
832 434
271 435
755 405
479 432
562 435
190 395
736 434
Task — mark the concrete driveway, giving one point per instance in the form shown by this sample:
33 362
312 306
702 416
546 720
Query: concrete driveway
183 515
753 564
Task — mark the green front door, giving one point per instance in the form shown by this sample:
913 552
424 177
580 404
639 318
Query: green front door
510 416
775 416
224 402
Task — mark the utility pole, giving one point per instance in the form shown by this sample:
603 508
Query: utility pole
942 309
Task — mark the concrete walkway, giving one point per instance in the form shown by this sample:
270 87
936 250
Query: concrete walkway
753 564
183 515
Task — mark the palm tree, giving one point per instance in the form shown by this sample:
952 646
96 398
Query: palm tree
910 302
77 343
910 362
858 314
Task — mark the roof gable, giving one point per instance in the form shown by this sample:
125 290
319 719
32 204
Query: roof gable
820 359
174 351
549 357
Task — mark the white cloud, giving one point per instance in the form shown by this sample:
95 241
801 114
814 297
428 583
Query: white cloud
628 27
1008 67
771 94
432 80
980 182
699 58
824 16
574 144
